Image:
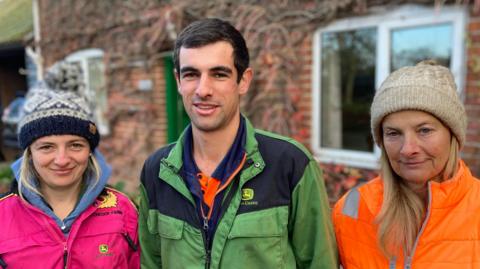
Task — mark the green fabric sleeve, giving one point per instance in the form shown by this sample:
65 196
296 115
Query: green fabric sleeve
150 243
310 227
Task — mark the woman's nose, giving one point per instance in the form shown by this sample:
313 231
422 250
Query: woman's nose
410 145
61 158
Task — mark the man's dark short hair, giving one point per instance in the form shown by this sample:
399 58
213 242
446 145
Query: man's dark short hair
208 31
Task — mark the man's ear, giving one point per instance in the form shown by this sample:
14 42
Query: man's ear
245 81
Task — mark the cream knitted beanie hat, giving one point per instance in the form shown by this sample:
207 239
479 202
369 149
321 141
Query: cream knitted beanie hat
427 87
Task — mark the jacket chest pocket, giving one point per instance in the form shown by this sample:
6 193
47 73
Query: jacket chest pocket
179 243
258 239
100 243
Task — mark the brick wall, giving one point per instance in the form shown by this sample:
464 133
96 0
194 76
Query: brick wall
137 123
471 151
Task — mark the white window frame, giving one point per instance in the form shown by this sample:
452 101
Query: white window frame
384 21
82 57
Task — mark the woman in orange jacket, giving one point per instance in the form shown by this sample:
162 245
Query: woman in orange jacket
423 211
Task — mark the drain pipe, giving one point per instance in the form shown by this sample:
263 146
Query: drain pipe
36 55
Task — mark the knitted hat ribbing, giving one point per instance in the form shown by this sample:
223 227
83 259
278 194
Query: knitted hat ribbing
57 106
427 87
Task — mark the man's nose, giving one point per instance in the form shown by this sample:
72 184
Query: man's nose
204 87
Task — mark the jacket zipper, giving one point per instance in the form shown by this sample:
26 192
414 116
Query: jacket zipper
207 244
408 260
65 256
208 251
204 230
205 227
54 234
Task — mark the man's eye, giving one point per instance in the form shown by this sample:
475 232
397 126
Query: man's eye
220 75
188 75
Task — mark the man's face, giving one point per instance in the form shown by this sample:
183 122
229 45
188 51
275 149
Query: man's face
208 85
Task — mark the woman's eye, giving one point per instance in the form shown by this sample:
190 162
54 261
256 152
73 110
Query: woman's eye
425 130
391 133
77 145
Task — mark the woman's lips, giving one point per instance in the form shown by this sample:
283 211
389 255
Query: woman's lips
62 172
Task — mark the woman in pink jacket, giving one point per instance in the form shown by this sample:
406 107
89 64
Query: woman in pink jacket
59 214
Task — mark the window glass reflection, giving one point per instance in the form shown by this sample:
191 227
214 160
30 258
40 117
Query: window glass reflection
348 86
413 44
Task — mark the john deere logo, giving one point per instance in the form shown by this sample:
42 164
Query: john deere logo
103 248
247 194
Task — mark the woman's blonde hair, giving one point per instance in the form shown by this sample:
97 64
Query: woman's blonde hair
28 177
402 213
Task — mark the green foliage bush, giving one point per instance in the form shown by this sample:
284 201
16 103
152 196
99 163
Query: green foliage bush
6 176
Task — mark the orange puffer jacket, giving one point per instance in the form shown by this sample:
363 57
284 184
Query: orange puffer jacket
449 238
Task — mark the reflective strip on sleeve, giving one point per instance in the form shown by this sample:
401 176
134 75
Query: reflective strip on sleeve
392 263
352 202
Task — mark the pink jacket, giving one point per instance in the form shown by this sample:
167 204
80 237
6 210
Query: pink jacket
103 236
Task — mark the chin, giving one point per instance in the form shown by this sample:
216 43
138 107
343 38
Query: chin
207 126
414 177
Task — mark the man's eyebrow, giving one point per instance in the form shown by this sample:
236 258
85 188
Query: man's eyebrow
188 69
222 69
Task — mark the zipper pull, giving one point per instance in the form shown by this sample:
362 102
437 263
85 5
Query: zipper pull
205 224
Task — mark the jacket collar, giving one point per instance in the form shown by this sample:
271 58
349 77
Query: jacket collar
172 164
442 194
451 191
174 159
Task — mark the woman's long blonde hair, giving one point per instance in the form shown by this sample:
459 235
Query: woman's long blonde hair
402 213
28 176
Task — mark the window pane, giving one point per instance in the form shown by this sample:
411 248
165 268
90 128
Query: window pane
347 88
413 44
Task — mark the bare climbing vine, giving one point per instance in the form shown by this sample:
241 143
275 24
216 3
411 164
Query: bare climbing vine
136 34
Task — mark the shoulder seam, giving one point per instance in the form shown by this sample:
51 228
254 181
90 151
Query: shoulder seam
7 196
286 139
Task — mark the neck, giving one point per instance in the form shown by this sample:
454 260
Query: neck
209 148
421 189
63 200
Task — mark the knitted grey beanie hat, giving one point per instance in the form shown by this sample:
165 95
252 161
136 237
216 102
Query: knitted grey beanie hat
57 106
427 87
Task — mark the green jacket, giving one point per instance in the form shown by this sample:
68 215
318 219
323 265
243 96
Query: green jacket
275 213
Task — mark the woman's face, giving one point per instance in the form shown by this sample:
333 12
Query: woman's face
417 145
60 160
